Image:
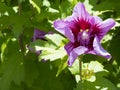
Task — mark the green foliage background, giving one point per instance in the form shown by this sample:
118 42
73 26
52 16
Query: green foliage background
21 69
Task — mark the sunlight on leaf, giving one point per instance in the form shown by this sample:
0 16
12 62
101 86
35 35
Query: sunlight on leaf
62 66
75 67
3 47
51 54
35 5
55 38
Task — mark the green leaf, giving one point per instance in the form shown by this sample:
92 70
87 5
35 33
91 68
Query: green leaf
12 70
35 4
106 5
55 38
65 8
62 65
100 83
105 83
42 45
3 48
16 87
18 27
74 69
31 73
52 49
114 46
47 78
5 9
52 54
85 86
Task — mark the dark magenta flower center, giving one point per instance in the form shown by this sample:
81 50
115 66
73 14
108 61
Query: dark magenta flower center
83 37
82 33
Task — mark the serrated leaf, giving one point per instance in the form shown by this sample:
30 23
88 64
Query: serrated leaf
42 45
55 38
62 66
18 27
51 49
52 54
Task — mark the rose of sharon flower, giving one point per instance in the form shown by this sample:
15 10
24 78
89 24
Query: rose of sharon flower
84 32
38 34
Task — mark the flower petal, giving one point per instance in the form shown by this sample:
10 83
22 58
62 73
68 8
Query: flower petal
80 11
104 27
99 50
62 27
38 34
69 47
75 53
95 20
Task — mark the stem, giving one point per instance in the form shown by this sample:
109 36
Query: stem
21 43
20 39
80 69
19 7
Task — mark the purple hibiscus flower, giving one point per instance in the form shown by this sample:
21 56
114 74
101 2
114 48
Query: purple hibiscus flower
38 34
84 33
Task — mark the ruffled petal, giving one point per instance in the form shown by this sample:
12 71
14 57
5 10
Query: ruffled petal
95 20
38 34
98 50
80 11
105 27
70 18
69 47
71 22
75 53
62 27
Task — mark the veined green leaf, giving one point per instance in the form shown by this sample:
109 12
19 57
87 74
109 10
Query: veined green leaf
55 38
52 49
52 54
62 66
42 45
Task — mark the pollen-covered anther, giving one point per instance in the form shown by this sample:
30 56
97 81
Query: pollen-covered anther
85 35
81 30
87 30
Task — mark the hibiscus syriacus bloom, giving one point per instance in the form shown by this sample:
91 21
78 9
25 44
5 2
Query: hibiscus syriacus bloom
84 32
38 34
